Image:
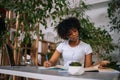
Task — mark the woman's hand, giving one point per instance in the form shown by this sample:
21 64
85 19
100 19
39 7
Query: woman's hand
103 64
47 64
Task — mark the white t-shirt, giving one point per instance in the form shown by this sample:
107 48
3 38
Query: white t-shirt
74 54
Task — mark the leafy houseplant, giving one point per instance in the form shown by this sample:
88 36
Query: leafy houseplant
29 15
75 64
75 68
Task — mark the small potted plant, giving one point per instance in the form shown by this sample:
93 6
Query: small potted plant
75 68
75 64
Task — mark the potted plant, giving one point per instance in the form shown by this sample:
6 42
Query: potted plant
75 68
75 64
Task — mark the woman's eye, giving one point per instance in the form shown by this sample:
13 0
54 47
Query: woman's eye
74 30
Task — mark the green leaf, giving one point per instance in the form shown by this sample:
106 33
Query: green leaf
75 64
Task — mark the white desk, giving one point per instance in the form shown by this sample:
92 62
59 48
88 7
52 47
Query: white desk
45 74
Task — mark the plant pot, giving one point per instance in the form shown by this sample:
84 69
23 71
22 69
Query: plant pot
75 70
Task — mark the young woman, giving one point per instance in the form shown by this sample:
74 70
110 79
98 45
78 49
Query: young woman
72 48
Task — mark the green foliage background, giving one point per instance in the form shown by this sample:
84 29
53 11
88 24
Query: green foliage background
38 11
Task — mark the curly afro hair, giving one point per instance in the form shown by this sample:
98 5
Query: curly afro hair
66 25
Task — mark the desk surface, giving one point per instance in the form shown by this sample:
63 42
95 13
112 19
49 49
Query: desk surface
46 74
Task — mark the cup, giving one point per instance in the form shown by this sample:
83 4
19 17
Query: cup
75 70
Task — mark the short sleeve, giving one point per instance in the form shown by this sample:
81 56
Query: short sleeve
88 49
60 47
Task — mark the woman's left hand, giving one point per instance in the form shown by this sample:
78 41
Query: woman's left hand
103 64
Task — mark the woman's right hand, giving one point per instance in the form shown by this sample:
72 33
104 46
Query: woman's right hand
47 64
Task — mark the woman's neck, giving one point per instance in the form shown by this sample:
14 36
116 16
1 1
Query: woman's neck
74 43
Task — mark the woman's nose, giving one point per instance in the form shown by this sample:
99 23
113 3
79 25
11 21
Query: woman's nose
73 34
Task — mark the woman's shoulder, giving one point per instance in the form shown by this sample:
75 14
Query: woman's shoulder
62 43
84 43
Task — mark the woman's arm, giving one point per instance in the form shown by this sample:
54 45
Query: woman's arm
52 60
88 60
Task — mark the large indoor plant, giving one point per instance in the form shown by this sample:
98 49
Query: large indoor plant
29 15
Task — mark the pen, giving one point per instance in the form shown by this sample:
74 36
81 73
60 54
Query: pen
46 57
48 63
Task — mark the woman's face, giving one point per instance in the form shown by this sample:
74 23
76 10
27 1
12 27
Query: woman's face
73 34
